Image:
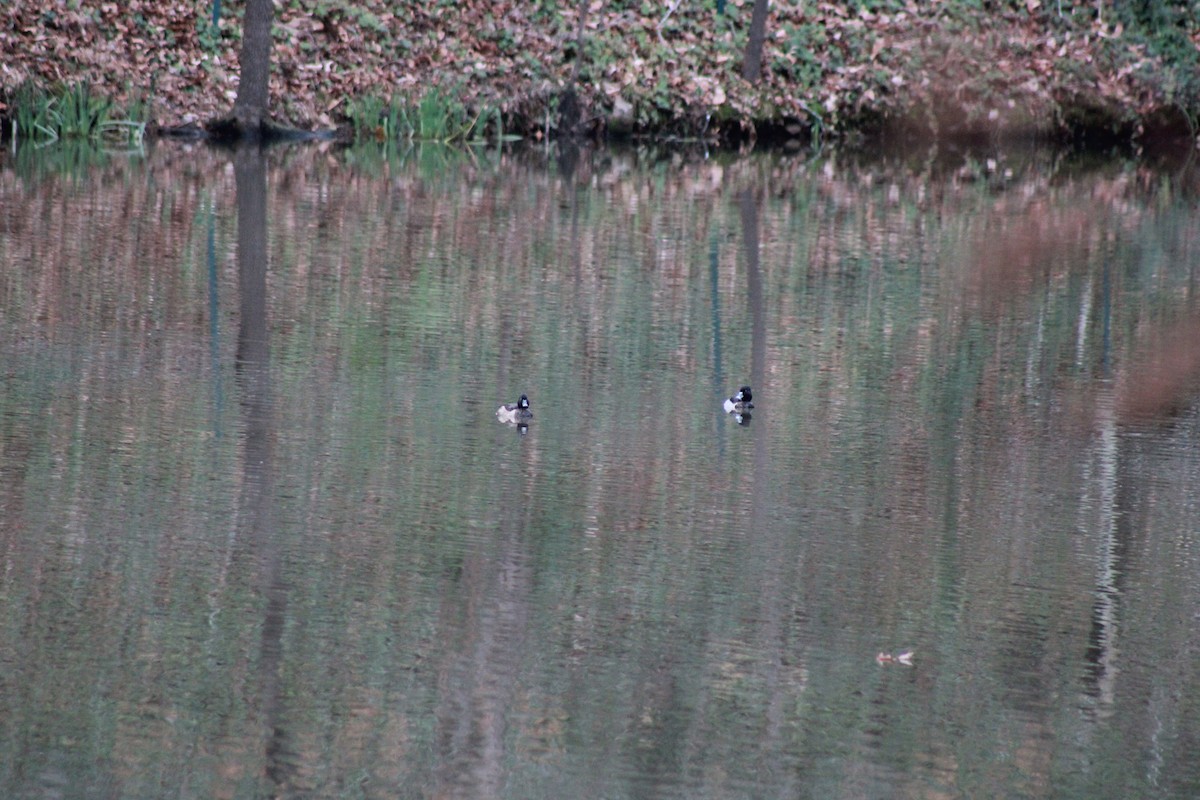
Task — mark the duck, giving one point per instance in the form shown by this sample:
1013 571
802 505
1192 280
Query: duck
904 657
740 402
515 412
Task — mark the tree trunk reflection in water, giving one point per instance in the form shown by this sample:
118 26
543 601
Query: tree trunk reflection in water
764 538
754 291
478 683
256 510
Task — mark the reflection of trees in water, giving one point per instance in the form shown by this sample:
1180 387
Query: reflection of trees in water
878 324
478 706
764 539
257 514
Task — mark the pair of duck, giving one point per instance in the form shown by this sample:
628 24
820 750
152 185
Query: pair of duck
519 411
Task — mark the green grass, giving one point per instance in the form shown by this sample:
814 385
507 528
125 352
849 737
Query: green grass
73 112
438 116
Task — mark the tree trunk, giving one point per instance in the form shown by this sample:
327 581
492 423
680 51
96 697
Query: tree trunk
250 108
752 63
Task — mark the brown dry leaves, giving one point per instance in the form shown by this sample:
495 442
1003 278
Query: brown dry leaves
919 63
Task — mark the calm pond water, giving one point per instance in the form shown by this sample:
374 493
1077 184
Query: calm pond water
262 534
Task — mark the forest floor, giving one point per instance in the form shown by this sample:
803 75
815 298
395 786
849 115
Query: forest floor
667 68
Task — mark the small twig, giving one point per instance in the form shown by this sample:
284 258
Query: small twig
663 21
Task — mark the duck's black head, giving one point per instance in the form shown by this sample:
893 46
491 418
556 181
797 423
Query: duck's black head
523 403
743 395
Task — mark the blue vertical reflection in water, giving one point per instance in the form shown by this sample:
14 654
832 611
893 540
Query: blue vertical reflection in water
214 317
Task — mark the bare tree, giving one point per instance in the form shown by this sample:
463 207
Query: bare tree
752 62
250 108
249 118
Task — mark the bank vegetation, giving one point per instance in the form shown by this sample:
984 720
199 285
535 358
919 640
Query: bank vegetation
666 68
